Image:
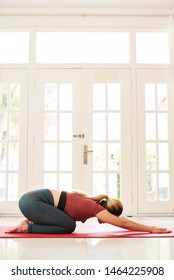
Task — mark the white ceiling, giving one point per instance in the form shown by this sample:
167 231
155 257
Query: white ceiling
7 3
82 6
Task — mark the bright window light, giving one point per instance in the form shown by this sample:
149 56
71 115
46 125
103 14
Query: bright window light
14 47
152 47
82 47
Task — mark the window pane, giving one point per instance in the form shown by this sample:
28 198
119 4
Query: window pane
65 126
151 156
65 182
114 184
163 186
99 96
14 123
14 91
150 101
2 186
114 156
50 180
162 97
163 156
50 154
99 126
14 47
65 157
99 156
65 97
50 96
162 126
151 181
114 97
4 96
3 126
50 126
152 47
114 129
150 126
82 47
13 187
99 183
13 162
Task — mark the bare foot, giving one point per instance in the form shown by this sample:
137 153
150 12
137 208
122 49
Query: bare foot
29 222
21 227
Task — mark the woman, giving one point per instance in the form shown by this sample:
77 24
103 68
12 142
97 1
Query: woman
53 211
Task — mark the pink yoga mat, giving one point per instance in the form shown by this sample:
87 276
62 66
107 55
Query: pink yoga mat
84 232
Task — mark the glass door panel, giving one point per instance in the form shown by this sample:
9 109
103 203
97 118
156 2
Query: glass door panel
107 125
58 133
59 101
13 141
155 134
106 138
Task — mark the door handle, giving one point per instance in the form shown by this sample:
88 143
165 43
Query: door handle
79 135
85 154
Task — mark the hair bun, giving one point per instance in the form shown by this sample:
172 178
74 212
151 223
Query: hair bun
103 203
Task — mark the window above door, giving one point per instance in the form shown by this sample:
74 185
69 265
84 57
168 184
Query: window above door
82 47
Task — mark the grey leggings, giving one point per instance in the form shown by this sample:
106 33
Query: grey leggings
38 207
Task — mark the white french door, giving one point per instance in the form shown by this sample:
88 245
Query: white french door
82 131
56 155
13 137
107 126
73 131
155 142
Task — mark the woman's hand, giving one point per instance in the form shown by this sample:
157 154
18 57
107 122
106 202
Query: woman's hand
160 230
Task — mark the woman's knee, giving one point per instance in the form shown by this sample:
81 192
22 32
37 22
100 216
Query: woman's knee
71 226
25 203
22 202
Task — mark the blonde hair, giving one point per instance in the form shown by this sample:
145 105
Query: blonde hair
114 206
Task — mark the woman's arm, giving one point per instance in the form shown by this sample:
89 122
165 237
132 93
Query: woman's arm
106 217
